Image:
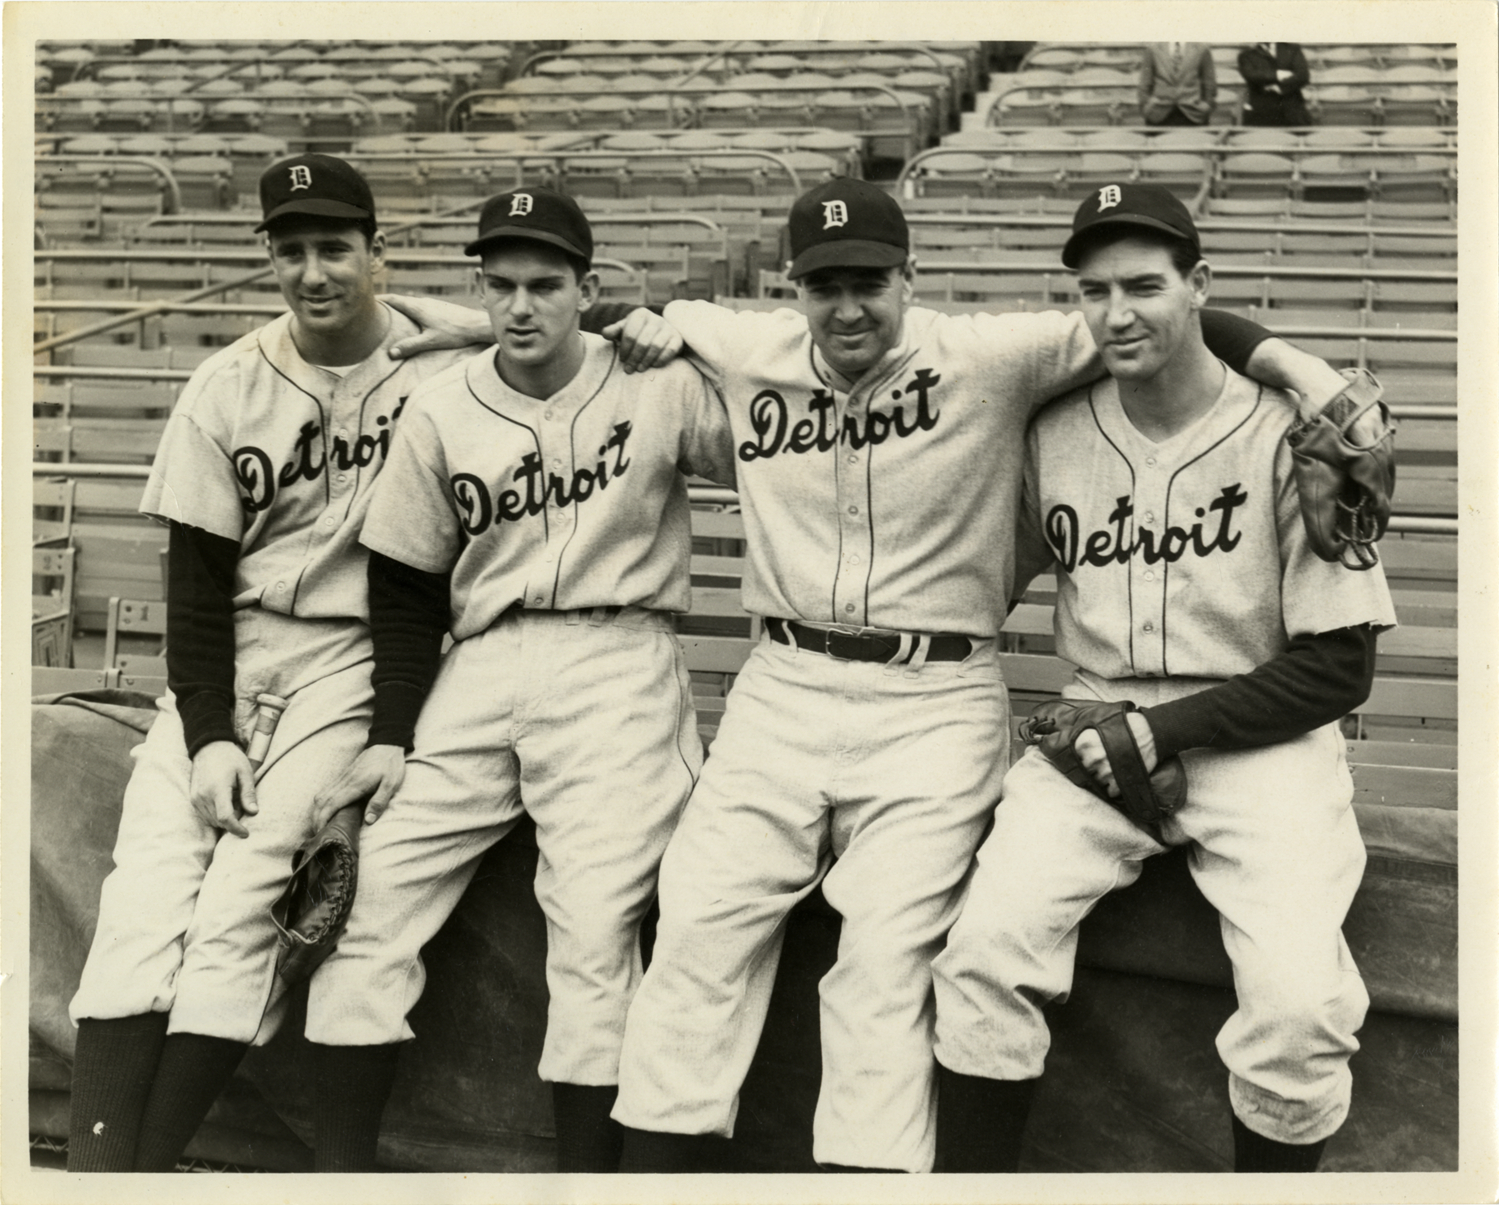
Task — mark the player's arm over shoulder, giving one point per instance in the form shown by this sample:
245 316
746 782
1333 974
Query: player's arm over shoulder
720 340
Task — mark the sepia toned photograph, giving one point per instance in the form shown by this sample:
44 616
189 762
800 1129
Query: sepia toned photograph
624 616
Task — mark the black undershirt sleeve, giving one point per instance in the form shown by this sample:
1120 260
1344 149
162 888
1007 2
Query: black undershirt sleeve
1318 679
200 632
1231 338
409 612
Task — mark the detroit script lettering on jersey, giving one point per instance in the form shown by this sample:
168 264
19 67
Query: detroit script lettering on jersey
478 509
260 480
770 416
1112 544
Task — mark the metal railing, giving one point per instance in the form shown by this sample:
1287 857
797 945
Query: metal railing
174 190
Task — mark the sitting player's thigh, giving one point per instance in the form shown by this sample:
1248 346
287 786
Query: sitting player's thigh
161 852
459 795
607 760
231 944
1054 852
1278 853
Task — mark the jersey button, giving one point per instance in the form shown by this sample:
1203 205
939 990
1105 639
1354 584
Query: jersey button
342 477
1149 627
854 459
849 608
1150 516
1149 576
1150 460
853 510
853 558
548 414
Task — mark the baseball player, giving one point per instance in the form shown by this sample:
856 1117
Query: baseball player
535 504
262 477
1164 498
879 453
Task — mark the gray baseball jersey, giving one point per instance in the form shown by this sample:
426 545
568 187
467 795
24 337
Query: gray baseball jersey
891 504
1187 557
575 501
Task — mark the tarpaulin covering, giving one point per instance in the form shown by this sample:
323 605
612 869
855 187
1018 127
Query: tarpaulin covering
1133 1082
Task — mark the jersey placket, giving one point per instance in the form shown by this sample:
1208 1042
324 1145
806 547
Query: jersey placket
855 538
555 442
343 412
1147 579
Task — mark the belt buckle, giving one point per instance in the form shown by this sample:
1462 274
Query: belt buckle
856 646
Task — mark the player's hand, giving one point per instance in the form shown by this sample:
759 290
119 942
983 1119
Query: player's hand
377 773
1273 88
1090 752
646 340
444 325
1281 73
222 786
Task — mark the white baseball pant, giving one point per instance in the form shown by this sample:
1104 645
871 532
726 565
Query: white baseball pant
586 723
1275 848
185 916
894 772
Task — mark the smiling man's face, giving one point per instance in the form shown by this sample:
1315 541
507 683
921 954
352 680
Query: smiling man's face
326 270
855 314
1138 304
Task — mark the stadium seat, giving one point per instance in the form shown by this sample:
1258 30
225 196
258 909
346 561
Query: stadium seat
1182 173
1335 177
1256 174
1345 105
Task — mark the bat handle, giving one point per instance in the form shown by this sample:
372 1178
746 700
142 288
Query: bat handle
267 715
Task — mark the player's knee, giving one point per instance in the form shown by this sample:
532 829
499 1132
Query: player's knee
1309 1011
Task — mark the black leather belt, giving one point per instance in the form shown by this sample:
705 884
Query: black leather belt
863 646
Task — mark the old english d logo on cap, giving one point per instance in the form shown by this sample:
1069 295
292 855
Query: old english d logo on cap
538 215
1130 204
846 223
317 185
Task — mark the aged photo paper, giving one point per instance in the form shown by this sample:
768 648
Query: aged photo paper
1471 25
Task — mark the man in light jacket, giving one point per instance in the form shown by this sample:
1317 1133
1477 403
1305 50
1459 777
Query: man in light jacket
1177 84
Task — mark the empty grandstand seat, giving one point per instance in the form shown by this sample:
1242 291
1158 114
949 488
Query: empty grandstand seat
1344 105
956 174
206 182
1099 167
1414 177
1419 106
1256 173
1184 174
1329 177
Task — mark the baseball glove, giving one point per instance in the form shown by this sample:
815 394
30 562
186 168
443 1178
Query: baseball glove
314 908
1345 476
1147 799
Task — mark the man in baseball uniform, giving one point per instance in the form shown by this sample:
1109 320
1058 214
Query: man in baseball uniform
262 477
879 451
1163 497
535 504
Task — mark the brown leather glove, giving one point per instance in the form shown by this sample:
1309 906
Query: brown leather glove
1343 457
1146 798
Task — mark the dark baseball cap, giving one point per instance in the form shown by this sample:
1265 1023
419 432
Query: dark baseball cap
846 223
315 184
538 214
1147 205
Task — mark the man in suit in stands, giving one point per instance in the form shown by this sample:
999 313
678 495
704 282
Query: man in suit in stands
1274 75
1177 84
